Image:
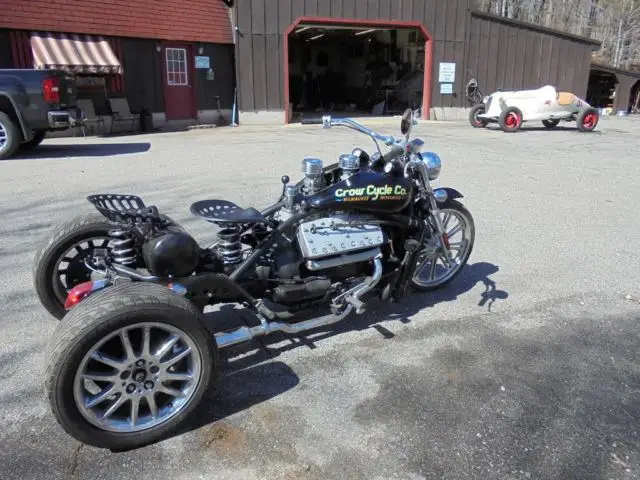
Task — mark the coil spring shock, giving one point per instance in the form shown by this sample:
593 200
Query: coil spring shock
123 250
230 247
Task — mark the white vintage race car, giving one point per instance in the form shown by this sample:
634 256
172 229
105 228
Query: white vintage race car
511 109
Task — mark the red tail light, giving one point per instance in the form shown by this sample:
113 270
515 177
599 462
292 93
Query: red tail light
77 293
51 90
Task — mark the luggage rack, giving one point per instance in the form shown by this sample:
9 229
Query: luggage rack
127 209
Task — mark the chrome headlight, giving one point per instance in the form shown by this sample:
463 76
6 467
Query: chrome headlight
433 163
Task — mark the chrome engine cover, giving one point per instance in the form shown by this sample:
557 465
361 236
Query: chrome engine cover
330 236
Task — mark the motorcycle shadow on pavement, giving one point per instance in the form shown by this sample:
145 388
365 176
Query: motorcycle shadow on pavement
248 375
266 348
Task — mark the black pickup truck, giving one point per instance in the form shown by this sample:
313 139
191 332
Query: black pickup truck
33 102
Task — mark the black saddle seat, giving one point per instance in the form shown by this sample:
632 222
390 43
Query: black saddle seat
221 211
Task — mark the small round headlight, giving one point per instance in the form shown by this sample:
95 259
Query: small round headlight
434 165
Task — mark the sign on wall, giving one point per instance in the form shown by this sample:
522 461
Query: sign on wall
447 72
446 88
202 62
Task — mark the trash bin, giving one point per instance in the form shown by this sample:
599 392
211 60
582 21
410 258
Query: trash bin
146 121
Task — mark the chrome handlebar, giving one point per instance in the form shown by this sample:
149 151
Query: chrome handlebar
328 122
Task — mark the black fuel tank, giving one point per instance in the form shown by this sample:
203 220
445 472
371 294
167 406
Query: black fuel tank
365 191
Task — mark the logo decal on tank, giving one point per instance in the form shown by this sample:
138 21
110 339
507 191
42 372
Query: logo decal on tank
371 193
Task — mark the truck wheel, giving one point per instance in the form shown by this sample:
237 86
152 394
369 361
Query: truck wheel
9 136
473 116
128 366
38 136
58 265
550 123
511 120
587 119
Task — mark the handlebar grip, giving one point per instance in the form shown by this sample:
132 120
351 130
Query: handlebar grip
311 121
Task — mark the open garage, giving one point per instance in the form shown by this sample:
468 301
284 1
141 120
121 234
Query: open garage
355 70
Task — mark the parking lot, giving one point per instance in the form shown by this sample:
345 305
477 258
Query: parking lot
525 367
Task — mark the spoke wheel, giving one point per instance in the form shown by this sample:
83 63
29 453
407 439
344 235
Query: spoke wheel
439 264
137 377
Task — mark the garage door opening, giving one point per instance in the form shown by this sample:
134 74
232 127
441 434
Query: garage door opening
356 70
601 89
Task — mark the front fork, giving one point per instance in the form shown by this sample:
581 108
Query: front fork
441 234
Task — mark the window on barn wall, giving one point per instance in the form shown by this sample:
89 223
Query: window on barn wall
177 66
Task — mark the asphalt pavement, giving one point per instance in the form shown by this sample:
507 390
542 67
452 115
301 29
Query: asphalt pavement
525 367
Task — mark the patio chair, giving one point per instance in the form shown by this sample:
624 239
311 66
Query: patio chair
121 112
85 115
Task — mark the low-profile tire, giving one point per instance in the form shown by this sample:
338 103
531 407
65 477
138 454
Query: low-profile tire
38 137
511 119
454 208
473 116
49 287
587 119
550 123
10 136
105 324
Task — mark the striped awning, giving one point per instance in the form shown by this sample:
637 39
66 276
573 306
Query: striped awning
73 53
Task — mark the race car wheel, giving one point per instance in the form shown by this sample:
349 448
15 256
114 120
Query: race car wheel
587 119
473 116
550 123
511 120
129 365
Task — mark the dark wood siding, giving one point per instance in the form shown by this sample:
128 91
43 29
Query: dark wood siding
499 53
511 56
142 67
222 62
261 24
6 58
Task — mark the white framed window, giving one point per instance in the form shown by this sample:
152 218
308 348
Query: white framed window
177 66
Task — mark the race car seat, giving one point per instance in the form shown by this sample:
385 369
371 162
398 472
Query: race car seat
565 98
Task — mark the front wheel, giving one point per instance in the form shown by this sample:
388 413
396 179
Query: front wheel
128 366
511 120
587 120
476 121
435 268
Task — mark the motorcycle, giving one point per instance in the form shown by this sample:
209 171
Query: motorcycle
133 357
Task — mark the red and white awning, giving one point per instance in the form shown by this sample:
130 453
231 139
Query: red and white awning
74 53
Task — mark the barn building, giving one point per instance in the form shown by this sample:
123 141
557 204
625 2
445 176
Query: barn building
281 60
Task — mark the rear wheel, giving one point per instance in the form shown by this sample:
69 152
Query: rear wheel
474 120
550 123
10 136
128 366
587 119
60 264
38 136
511 120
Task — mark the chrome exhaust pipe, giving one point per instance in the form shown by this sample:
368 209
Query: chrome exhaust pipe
244 334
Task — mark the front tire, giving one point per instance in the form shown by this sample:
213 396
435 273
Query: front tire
10 136
58 265
431 272
473 116
128 366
